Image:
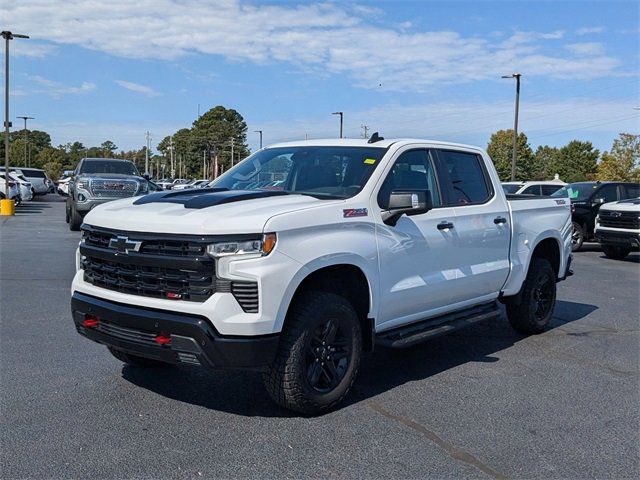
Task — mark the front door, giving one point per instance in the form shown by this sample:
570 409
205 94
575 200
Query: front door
417 257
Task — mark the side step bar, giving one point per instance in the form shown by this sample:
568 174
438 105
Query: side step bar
408 335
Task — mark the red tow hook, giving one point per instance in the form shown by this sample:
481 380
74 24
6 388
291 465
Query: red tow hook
90 321
163 339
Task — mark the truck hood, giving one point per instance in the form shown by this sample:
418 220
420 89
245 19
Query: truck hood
110 176
238 215
629 205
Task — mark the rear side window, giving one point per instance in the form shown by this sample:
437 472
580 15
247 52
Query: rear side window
34 173
550 189
532 190
464 178
632 191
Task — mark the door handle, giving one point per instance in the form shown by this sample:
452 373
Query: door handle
499 220
445 225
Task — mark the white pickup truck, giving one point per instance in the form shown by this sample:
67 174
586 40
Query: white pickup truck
306 254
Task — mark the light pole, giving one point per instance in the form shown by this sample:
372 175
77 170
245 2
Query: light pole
26 139
260 132
515 125
7 209
146 153
341 118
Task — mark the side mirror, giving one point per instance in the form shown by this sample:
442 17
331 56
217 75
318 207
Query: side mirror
409 202
146 176
599 201
68 173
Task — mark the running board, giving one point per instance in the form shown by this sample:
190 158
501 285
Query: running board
408 335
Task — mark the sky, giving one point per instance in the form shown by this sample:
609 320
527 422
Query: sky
95 70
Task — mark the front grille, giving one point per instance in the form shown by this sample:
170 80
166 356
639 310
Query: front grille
128 334
613 219
165 266
113 188
149 281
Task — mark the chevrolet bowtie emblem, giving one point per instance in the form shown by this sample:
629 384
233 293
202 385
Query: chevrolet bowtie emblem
124 245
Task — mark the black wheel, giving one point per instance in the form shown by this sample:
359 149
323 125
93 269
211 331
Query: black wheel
75 219
577 237
533 313
135 360
66 212
616 252
319 354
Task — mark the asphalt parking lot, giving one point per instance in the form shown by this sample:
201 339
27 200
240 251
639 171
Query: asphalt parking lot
483 402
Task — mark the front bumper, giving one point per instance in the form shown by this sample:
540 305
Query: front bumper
194 341
618 237
92 202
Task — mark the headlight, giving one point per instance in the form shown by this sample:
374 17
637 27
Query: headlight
262 246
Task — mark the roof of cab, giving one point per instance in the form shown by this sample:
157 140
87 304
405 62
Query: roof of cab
363 142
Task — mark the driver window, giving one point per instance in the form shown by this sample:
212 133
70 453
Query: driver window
609 193
412 170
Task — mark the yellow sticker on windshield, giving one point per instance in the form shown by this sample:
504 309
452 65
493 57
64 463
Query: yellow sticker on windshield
369 161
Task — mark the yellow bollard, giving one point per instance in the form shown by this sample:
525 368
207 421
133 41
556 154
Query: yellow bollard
7 207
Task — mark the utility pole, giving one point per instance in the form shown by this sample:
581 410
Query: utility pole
260 132
341 118
146 156
365 131
232 144
173 170
26 139
7 37
514 154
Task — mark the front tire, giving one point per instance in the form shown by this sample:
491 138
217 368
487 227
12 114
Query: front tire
319 354
577 237
534 312
75 219
135 360
615 251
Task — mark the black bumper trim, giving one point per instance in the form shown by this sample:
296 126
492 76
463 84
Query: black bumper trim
132 329
608 237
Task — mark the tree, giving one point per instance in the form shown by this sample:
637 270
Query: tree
576 162
108 147
544 163
500 150
623 162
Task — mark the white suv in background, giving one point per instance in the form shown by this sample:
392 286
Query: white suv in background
618 227
14 190
543 187
39 179
25 187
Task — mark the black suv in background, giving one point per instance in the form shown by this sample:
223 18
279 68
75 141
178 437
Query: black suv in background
586 199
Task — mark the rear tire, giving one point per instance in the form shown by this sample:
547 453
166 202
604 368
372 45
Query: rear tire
135 360
319 354
538 299
615 251
577 237
75 219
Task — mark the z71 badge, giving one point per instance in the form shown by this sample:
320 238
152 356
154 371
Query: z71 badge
354 212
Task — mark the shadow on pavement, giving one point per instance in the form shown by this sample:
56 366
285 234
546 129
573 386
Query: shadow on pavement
242 393
27 208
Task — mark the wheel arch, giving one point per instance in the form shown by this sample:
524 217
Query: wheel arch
346 278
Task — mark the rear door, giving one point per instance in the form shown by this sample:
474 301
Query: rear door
482 225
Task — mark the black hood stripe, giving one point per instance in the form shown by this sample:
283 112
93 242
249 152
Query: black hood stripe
206 197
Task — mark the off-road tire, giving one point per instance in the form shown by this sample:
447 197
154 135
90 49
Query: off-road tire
288 378
75 219
532 314
66 213
616 252
135 360
577 237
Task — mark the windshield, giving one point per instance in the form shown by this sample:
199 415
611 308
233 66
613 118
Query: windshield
576 191
510 188
108 166
323 172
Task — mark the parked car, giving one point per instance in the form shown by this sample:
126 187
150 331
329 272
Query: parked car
533 188
14 190
190 185
38 178
63 186
586 200
99 180
379 241
618 227
26 189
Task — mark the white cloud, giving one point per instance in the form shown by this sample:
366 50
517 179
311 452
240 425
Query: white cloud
585 48
589 30
325 38
136 87
30 49
56 89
